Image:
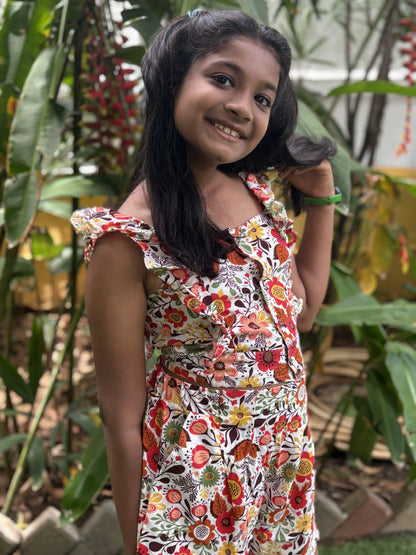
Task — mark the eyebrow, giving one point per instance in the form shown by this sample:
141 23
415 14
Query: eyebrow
238 69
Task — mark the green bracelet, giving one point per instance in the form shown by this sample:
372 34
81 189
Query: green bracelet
322 201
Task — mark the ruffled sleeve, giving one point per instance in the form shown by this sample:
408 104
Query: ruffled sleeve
93 223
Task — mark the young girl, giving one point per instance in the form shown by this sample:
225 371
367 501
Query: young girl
209 451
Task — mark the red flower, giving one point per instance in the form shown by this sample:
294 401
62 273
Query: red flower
175 317
222 303
280 424
152 457
263 535
233 489
183 551
225 523
305 468
160 415
268 360
142 550
297 497
200 456
295 423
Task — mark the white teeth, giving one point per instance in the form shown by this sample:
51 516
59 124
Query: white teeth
227 130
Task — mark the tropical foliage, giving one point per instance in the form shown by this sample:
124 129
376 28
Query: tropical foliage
70 127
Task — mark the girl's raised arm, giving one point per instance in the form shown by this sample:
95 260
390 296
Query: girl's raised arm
310 270
116 308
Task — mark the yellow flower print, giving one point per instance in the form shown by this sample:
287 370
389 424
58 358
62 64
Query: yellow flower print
255 231
228 548
303 523
240 416
155 503
252 381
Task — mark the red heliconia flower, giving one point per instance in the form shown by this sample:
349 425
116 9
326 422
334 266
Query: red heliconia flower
409 55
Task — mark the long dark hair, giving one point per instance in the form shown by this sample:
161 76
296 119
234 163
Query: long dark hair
178 210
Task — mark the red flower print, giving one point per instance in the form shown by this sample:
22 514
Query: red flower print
277 290
200 456
222 303
268 360
254 327
305 468
294 424
183 551
225 523
152 457
193 303
174 496
221 366
265 460
280 424
297 498
202 531
199 427
175 317
199 511
159 415
175 514
142 550
263 535
181 274
233 489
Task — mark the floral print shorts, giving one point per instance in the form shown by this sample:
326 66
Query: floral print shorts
226 472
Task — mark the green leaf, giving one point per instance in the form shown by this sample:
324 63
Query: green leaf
132 54
14 381
362 309
401 363
257 9
36 459
363 439
43 247
20 199
22 35
144 20
10 441
386 412
35 365
309 125
35 132
60 208
375 87
78 185
86 484
39 120
83 419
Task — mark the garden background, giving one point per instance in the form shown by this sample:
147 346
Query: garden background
70 127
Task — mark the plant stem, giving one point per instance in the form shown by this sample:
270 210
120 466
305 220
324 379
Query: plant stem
21 464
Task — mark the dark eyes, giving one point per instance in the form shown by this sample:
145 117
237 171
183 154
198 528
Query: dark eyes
227 81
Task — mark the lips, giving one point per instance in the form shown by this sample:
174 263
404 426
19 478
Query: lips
227 130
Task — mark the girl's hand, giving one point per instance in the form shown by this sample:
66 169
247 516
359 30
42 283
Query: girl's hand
311 182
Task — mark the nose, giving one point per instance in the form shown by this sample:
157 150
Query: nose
240 107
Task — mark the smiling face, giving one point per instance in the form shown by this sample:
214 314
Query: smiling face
222 108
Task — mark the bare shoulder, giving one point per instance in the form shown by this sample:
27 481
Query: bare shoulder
137 204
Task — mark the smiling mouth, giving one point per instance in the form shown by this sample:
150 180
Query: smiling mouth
227 130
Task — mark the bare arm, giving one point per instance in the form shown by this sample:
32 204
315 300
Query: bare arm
310 269
116 307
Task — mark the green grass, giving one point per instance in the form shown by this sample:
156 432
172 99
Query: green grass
393 544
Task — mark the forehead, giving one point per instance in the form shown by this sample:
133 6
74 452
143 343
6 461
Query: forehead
252 56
